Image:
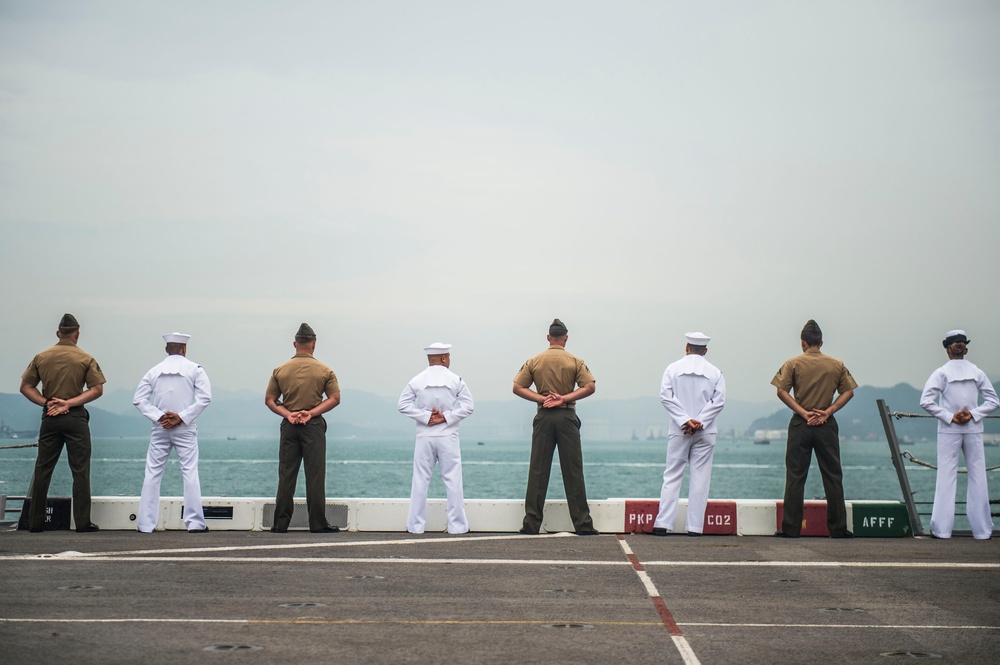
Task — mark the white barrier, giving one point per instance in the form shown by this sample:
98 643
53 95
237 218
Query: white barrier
753 517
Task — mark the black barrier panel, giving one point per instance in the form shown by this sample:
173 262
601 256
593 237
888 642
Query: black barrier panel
217 512
58 511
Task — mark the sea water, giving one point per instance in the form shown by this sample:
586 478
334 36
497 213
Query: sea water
490 469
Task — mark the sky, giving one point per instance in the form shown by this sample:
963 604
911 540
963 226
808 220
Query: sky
398 173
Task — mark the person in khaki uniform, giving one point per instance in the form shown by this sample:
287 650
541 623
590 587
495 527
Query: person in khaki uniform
63 371
814 378
555 372
302 383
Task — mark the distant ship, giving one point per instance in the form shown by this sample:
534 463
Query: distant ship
764 437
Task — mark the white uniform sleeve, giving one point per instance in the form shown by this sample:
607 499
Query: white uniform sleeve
714 406
929 397
202 397
670 402
463 405
408 407
141 399
990 401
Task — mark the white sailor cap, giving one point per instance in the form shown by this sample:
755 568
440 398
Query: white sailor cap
697 338
437 349
953 336
176 338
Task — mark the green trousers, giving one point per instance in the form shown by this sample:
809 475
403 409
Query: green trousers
302 443
556 429
72 430
803 441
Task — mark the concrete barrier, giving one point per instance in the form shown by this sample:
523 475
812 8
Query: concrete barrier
744 517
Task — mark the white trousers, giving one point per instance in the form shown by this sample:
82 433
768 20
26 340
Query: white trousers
697 450
444 450
977 498
185 439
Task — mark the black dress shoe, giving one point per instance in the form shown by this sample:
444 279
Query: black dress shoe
40 530
782 534
275 529
694 534
329 528
205 530
525 531
846 534
90 527
588 532
659 531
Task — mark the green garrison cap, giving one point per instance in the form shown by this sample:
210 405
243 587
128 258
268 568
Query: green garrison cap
305 330
811 328
557 328
68 321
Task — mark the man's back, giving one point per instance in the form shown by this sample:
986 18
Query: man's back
63 370
813 378
554 370
301 381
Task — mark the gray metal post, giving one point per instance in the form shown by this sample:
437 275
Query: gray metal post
897 461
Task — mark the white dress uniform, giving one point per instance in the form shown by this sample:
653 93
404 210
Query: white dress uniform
954 386
692 388
437 387
182 387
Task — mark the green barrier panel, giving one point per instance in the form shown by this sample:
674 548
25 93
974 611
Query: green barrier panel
881 520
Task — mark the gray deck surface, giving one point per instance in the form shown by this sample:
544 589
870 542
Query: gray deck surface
492 598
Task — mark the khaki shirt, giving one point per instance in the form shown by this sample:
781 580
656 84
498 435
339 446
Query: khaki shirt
554 370
814 378
64 370
302 381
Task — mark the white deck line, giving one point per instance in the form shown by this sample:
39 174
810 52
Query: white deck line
683 647
57 620
294 546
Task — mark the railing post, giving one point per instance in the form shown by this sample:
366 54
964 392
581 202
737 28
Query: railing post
897 461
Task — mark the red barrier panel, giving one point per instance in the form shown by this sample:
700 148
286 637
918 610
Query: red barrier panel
720 517
639 515
813 518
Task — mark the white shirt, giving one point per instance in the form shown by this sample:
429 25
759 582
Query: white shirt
437 387
954 386
176 385
693 388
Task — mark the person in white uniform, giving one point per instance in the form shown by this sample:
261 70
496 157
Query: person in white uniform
438 400
172 395
693 391
951 395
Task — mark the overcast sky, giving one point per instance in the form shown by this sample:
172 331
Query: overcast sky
398 173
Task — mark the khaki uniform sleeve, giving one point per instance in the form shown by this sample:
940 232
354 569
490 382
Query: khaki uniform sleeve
524 377
95 377
30 375
583 375
272 386
783 379
847 381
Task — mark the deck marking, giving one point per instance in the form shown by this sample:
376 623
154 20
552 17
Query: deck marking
294 546
292 559
839 625
342 622
683 647
143 555
512 622
827 564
